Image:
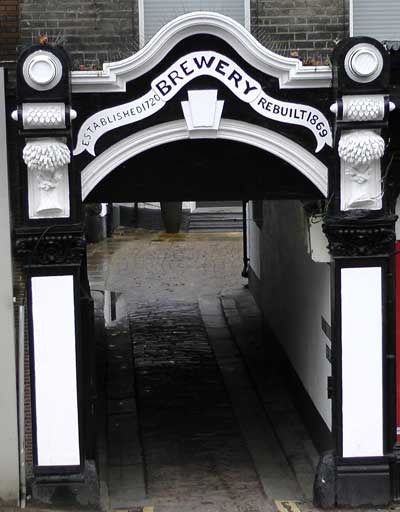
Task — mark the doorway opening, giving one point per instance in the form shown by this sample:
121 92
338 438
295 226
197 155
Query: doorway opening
195 361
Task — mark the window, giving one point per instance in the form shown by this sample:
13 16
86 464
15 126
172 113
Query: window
153 14
380 20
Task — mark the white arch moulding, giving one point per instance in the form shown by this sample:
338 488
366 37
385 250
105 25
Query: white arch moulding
229 129
289 71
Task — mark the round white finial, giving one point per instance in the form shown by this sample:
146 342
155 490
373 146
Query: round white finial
363 63
42 70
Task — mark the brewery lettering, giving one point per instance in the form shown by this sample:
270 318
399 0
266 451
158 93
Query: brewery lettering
125 114
208 63
295 113
186 69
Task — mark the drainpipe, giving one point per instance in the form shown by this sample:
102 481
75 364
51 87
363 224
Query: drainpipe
21 404
246 259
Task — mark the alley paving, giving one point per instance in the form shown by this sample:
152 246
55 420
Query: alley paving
205 441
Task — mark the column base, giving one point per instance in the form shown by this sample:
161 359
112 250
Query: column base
396 474
363 485
80 490
352 485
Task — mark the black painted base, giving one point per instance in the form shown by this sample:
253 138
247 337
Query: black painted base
325 482
396 474
80 490
361 485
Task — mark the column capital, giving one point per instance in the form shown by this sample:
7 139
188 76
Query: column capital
354 237
50 247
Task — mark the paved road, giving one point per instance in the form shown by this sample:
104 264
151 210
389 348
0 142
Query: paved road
198 455
195 455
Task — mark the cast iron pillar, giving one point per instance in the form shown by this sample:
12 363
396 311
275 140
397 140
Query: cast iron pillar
51 241
361 234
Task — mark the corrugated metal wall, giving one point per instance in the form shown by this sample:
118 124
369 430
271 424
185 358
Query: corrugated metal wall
159 12
377 18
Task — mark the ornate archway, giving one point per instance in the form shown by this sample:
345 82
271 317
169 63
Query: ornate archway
205 77
237 131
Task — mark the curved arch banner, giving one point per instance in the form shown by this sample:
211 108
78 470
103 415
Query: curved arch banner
183 71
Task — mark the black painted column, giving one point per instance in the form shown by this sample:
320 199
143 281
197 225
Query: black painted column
360 229
51 240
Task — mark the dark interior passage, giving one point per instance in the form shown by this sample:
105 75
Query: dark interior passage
203 170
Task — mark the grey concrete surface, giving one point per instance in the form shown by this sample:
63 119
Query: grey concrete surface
125 468
273 469
245 324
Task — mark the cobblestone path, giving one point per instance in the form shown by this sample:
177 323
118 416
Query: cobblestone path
195 456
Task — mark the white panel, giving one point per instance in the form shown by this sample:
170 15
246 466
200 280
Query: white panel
157 13
379 19
362 361
55 370
9 472
295 297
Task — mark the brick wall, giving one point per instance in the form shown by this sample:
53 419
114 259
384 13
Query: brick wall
306 27
92 31
8 30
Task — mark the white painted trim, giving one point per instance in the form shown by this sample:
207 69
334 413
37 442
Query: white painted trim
351 18
229 129
9 468
141 22
289 71
247 15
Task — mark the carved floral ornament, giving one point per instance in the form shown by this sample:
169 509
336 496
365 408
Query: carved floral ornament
361 147
46 157
360 153
47 160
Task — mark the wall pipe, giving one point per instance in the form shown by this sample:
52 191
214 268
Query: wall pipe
246 260
21 404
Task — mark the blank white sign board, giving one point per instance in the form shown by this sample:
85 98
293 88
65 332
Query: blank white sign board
362 387
55 371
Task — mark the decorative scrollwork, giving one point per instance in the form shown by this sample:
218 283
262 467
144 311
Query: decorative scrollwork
43 115
360 238
46 155
360 153
361 147
47 161
364 107
51 249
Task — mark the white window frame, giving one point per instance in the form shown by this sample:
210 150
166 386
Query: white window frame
351 18
247 21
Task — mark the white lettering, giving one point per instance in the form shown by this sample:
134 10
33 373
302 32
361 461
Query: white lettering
177 76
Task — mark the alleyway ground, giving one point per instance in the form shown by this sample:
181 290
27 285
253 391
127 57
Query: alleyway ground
204 460
206 443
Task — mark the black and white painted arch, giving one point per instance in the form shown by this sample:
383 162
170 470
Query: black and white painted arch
225 87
